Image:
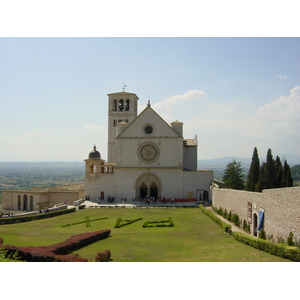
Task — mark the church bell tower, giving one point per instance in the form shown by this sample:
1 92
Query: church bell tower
122 107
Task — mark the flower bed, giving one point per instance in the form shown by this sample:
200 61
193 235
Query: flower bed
58 252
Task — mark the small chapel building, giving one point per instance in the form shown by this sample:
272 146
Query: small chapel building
147 157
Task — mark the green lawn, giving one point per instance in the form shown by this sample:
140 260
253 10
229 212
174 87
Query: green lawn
194 238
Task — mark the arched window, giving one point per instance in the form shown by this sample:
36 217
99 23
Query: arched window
127 106
115 105
93 169
31 203
121 105
19 203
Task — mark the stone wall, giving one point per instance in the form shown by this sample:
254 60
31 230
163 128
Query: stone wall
281 209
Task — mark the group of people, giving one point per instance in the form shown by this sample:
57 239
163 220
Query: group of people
153 200
9 214
43 211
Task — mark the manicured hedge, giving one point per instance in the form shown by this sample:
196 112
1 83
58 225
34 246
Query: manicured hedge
281 250
17 219
81 222
225 226
57 252
162 223
120 222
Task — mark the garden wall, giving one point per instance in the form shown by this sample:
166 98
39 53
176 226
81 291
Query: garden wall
281 209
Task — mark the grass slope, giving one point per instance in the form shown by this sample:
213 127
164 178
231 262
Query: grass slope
194 238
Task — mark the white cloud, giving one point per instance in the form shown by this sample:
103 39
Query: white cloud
282 114
276 125
282 76
169 102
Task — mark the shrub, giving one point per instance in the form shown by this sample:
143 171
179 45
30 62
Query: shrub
236 220
59 251
81 222
103 256
246 226
162 223
225 215
225 226
290 239
281 250
120 222
17 219
262 234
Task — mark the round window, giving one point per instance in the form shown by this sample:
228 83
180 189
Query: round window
148 129
148 152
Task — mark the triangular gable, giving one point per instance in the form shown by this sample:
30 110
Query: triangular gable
148 117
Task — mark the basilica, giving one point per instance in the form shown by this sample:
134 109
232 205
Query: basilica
146 157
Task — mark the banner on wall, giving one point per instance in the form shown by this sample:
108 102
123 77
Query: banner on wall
261 220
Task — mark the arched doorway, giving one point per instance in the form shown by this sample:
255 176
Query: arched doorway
102 195
25 202
31 203
149 185
153 190
254 224
143 190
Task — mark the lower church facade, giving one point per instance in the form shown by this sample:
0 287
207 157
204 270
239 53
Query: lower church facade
147 158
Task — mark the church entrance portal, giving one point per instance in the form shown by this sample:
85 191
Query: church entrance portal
148 185
143 190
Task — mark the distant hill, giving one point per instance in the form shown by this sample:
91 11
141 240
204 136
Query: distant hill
221 162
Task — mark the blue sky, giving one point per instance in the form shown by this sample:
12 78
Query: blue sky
233 93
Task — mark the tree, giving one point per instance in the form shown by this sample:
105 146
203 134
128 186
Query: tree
278 173
270 171
254 171
287 180
233 176
262 181
267 175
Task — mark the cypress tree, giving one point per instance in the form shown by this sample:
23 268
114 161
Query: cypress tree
278 172
254 171
262 181
270 171
287 180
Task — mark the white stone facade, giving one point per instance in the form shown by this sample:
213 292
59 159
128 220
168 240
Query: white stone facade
146 157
